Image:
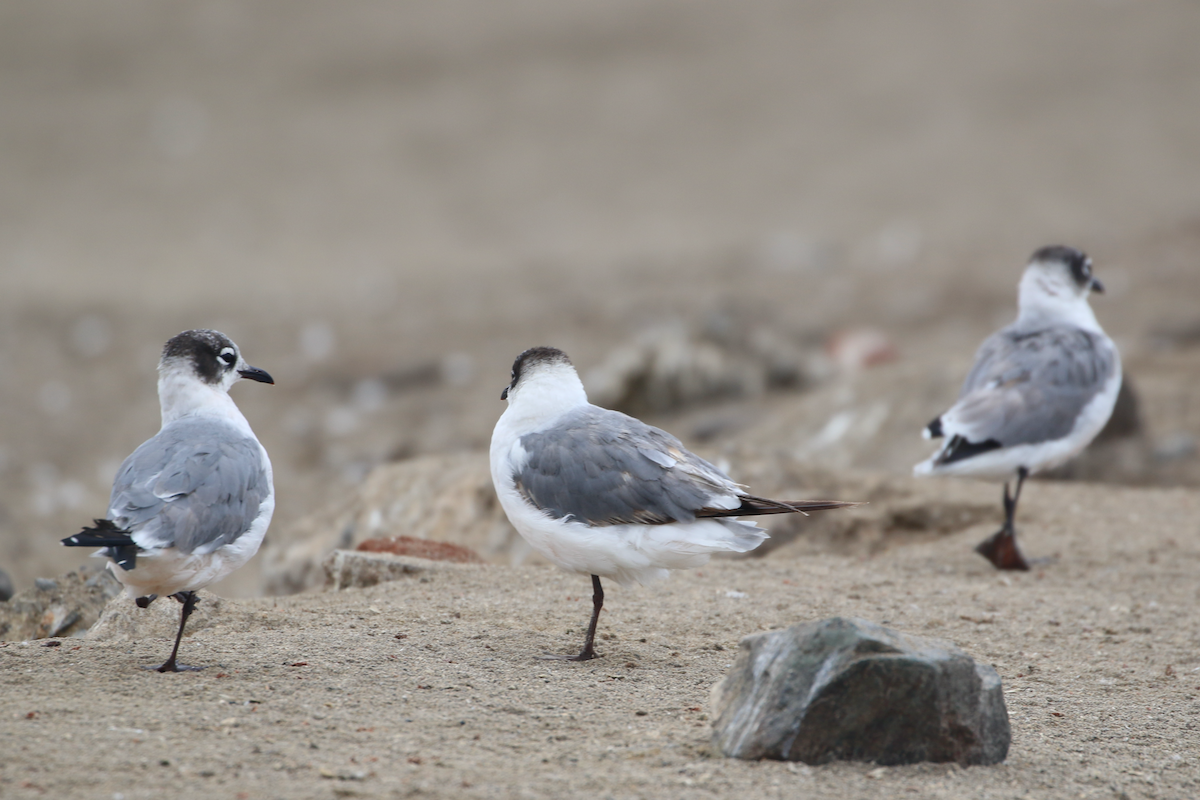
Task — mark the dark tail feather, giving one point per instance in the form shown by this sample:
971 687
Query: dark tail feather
105 534
959 448
118 542
755 506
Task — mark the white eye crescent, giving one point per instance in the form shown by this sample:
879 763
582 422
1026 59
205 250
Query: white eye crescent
228 355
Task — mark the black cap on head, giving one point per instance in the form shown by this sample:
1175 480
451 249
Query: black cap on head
534 355
211 353
1076 260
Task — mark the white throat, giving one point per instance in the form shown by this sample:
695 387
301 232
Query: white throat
182 394
542 396
1041 298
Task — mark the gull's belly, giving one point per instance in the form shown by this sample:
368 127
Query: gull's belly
165 571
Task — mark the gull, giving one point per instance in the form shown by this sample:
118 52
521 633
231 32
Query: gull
1039 391
600 493
191 504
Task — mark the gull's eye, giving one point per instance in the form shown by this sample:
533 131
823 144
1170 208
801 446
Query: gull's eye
228 356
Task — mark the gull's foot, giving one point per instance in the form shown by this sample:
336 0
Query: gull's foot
1001 549
586 655
169 667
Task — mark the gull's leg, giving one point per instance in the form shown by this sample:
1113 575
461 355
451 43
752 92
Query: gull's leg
1001 547
189 604
588 652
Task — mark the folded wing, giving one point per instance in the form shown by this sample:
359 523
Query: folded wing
196 486
1025 387
605 468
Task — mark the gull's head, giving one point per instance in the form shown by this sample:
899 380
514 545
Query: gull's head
1062 272
1058 281
209 358
544 378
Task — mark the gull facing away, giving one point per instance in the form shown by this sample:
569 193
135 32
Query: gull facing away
191 504
603 494
1039 391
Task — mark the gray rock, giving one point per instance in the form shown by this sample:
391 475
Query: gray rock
849 689
63 606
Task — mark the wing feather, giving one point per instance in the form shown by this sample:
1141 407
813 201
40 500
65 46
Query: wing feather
195 486
1028 387
606 468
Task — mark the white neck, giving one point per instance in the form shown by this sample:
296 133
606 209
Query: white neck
181 395
1042 299
543 396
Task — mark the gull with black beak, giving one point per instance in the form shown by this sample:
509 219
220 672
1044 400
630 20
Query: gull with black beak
603 494
192 504
1039 391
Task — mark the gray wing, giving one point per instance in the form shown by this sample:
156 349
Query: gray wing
605 468
195 486
1029 386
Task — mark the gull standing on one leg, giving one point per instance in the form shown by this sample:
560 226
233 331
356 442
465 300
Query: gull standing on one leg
603 494
1039 391
191 504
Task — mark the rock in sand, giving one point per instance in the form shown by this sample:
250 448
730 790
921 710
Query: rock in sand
62 606
849 689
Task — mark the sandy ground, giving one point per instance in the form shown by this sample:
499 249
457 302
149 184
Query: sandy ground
419 193
430 688
384 203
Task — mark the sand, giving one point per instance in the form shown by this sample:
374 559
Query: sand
431 686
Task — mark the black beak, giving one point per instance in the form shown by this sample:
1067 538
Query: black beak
504 394
1097 286
256 374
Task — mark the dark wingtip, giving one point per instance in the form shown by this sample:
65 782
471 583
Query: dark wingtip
959 449
115 541
934 429
755 506
803 506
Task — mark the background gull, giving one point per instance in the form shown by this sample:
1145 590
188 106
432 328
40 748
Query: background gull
601 493
193 503
1039 391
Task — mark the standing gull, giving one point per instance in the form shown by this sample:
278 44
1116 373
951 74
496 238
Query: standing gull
1039 391
191 504
603 494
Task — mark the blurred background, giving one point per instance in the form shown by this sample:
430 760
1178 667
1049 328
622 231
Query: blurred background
776 223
